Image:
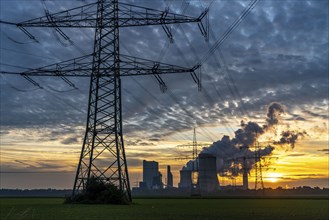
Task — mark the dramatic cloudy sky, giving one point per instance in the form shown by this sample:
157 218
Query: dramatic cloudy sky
278 53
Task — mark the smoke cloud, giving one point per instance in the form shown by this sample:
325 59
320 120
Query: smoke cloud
290 137
230 153
275 110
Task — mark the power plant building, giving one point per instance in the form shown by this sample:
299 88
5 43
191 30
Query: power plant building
152 178
207 179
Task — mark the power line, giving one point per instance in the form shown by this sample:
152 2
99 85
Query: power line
196 55
16 88
234 91
206 75
29 54
21 172
232 27
184 7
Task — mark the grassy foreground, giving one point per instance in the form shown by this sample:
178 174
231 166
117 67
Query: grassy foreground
187 209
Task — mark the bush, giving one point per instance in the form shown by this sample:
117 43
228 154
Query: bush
98 192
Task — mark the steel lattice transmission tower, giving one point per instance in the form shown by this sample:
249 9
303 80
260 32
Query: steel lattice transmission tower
103 153
259 184
195 189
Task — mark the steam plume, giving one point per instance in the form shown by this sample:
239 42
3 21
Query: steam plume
290 137
228 150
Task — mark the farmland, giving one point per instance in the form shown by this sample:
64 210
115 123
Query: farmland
53 208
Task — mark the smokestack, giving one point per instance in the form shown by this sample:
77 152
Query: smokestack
169 177
245 174
208 181
245 168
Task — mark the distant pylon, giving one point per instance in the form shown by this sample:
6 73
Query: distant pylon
259 184
195 189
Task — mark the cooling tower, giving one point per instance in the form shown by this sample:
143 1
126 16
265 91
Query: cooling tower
208 181
185 179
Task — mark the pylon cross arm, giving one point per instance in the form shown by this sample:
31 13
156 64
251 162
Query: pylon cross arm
82 67
83 16
131 15
129 66
128 15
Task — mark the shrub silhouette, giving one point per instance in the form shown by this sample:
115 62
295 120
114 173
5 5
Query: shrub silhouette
98 192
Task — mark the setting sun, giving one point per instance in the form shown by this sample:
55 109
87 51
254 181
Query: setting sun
273 177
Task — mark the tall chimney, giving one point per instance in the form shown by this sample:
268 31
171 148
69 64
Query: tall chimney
169 177
245 174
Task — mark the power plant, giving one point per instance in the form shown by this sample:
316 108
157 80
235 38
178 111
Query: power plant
200 175
206 175
152 178
207 179
228 157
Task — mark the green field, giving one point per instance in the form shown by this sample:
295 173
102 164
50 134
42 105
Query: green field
187 209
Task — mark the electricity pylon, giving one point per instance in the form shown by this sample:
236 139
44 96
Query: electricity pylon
256 159
259 184
103 154
195 189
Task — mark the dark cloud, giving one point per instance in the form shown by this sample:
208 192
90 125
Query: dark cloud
325 151
39 166
277 54
296 155
290 137
26 164
154 139
307 175
296 118
134 162
316 114
71 140
138 142
4 132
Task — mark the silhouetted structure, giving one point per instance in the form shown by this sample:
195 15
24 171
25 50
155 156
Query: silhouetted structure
245 174
207 179
259 184
170 180
152 178
245 170
185 179
157 181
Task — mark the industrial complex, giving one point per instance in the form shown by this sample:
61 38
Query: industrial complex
199 176
202 181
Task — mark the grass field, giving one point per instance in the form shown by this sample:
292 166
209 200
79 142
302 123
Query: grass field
187 209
